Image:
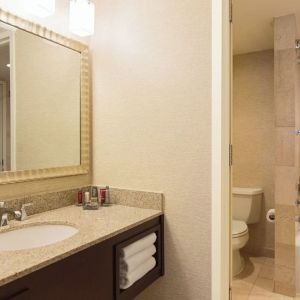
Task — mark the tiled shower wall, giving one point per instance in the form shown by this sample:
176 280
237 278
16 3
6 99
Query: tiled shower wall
286 145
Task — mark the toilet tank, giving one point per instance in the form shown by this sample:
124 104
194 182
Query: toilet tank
246 204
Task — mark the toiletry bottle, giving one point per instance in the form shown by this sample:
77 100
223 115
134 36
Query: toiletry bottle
94 194
102 196
86 197
79 198
107 194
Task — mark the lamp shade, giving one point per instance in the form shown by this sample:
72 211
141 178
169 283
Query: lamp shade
40 8
82 17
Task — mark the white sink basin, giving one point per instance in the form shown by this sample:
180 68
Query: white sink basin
35 236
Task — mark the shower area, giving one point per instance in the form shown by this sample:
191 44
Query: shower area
266 154
287 123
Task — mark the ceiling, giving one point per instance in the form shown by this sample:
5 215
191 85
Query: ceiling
253 22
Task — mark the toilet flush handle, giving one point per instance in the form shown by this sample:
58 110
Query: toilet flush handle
297 131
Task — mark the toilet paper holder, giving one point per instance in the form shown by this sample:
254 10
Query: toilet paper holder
270 216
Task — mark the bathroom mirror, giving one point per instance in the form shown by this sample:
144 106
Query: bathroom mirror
44 103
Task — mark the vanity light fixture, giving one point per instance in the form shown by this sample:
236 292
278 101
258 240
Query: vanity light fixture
82 17
40 8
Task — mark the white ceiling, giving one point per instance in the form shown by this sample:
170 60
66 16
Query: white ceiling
253 22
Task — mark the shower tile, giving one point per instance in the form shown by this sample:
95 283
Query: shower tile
285 255
285 277
284 32
285 108
285 225
286 185
285 146
284 288
284 70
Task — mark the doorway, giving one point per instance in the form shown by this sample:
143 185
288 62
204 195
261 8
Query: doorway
265 170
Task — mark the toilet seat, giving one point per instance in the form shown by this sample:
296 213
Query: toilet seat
238 228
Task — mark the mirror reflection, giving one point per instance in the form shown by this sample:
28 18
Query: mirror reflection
39 102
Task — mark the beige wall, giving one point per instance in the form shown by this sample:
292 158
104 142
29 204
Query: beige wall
47 104
254 139
152 114
59 23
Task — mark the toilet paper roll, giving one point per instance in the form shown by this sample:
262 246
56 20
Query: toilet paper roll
271 215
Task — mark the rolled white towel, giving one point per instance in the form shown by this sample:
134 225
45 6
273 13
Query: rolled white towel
131 263
138 246
130 278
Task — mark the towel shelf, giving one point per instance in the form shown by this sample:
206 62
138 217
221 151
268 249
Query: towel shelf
152 275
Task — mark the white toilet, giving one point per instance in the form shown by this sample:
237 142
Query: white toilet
246 205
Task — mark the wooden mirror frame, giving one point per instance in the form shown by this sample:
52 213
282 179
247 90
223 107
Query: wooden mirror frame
84 167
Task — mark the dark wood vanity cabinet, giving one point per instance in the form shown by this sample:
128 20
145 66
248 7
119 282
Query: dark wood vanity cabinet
89 274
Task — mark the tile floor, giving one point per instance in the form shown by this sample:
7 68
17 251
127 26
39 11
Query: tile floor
256 281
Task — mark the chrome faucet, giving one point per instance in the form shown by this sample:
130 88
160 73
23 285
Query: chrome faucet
23 211
4 212
19 215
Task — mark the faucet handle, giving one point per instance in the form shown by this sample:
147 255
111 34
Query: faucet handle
4 220
4 217
23 211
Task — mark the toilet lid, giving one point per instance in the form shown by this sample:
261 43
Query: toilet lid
238 227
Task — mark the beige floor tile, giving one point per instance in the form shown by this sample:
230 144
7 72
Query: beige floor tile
269 261
237 296
263 289
256 281
267 271
262 286
266 296
251 270
257 259
241 287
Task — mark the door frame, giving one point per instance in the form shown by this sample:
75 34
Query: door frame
221 110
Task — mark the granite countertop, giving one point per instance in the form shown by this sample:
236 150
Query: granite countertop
93 227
